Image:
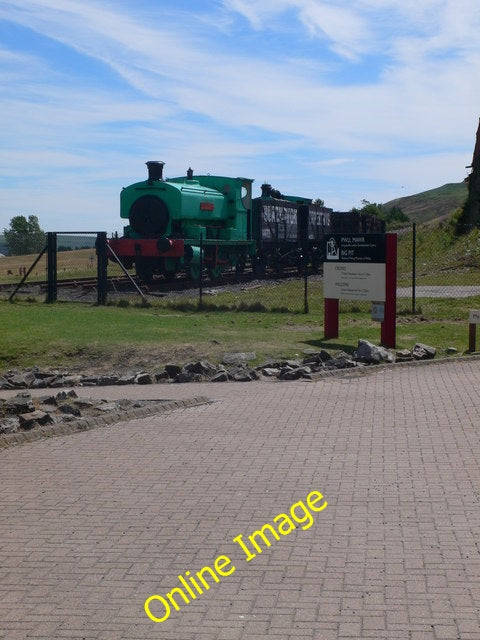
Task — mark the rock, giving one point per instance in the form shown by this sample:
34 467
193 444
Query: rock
371 354
84 403
144 378
24 380
185 376
238 358
126 379
107 406
39 383
105 381
21 403
204 368
69 410
271 372
423 351
65 395
242 374
404 355
173 370
5 384
29 420
221 376
9 425
295 374
162 376
451 350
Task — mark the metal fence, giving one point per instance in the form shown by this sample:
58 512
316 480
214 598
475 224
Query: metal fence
436 273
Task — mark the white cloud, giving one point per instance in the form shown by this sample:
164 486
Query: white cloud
202 96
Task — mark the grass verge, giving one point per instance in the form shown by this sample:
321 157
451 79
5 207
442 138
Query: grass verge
99 338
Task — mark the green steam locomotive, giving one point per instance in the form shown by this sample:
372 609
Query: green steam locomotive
179 224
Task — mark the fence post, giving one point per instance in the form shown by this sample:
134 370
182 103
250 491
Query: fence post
102 263
200 283
51 267
414 265
302 226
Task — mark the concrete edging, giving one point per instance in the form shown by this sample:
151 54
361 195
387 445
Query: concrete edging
64 428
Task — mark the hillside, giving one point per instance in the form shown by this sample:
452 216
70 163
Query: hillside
432 204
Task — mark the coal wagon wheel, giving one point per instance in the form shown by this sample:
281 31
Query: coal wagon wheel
259 268
240 266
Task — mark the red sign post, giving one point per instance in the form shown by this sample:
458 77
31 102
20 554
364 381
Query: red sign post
361 250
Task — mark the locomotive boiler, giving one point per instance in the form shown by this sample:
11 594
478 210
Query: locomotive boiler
171 221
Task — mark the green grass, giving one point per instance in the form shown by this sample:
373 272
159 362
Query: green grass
441 259
431 204
77 335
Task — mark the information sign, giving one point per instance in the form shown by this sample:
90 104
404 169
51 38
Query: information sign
354 281
355 247
474 317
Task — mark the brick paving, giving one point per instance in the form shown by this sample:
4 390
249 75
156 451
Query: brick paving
92 524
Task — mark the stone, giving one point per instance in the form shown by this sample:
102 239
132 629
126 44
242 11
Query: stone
29 420
69 410
186 376
221 376
105 381
451 350
144 378
173 370
371 354
162 375
24 380
39 383
423 351
241 376
271 372
21 403
202 367
238 358
9 425
107 406
5 384
84 403
403 355
65 395
126 379
295 374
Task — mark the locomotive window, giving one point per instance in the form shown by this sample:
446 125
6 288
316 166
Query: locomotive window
246 195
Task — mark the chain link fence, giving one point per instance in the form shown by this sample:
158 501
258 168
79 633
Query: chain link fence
437 273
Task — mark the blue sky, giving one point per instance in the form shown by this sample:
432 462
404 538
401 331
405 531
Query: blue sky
344 100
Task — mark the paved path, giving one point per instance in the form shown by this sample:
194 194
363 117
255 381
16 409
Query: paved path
439 291
94 523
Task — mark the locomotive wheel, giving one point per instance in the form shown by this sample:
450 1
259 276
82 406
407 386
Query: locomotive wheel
215 273
144 271
195 272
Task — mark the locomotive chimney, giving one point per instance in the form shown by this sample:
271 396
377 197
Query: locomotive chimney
266 190
155 170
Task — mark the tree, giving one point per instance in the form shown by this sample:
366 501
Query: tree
394 217
24 236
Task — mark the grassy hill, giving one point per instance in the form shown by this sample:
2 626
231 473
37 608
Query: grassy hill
432 204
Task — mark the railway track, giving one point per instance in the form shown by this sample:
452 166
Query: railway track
160 286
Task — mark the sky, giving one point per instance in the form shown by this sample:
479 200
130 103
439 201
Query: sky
344 100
